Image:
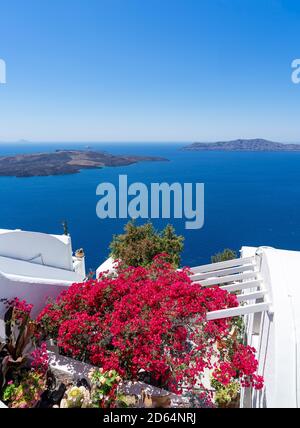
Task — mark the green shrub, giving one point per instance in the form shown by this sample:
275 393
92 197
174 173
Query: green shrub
139 244
226 254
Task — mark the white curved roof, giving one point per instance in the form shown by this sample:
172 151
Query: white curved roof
36 266
19 270
39 248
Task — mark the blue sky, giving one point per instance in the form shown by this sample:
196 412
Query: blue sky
149 70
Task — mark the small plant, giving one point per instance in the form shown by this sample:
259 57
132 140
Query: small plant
76 397
65 227
103 391
223 256
226 395
19 331
21 384
25 392
140 244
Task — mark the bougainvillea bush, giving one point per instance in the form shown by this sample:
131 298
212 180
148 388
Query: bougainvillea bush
148 319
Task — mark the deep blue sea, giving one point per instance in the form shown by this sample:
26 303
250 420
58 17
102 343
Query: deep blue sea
250 198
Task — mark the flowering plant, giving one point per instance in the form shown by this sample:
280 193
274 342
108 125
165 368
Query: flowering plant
26 391
21 385
150 319
76 397
226 395
237 361
40 361
105 388
20 339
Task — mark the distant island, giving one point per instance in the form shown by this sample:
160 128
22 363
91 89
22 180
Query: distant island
253 145
64 162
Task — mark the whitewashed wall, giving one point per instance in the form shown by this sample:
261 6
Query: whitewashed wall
36 266
40 248
35 293
275 334
108 267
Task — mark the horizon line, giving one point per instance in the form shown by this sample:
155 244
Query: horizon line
87 142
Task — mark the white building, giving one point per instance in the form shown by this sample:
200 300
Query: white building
35 266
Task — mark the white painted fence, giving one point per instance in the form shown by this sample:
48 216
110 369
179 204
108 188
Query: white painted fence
268 285
235 275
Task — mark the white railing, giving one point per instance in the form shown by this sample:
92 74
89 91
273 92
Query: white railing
234 276
220 265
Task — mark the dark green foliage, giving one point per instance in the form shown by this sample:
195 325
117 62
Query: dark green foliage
139 244
226 254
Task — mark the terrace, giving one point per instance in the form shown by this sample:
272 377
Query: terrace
36 266
267 281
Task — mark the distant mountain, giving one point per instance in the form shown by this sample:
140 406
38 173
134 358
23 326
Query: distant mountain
254 145
64 162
